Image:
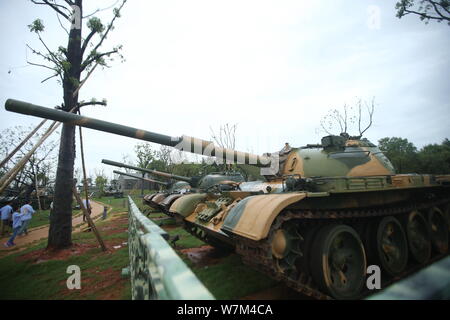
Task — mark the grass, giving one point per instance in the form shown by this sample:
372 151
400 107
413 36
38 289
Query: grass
117 204
186 239
22 277
231 279
27 280
42 218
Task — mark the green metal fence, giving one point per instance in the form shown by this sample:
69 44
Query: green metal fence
156 271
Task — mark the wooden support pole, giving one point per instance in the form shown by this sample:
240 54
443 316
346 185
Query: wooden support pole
37 189
84 171
20 145
11 174
88 218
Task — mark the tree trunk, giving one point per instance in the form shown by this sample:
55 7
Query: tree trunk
60 232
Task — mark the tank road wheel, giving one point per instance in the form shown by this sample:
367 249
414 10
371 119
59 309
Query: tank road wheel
418 237
338 263
438 230
392 246
285 245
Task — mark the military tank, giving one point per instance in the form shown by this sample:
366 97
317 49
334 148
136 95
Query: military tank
325 212
147 200
112 191
164 199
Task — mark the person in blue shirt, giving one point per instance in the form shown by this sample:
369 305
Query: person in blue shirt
27 211
6 212
17 224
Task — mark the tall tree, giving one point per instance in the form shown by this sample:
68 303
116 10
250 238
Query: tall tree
426 9
72 64
401 152
435 158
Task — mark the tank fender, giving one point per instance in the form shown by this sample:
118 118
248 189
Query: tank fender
186 204
170 199
253 216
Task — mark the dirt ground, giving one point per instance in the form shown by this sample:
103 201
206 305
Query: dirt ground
42 232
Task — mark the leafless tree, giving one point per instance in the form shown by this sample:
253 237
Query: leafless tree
40 167
346 120
225 138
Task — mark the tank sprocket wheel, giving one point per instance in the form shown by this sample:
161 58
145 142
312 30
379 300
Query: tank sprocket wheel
418 234
392 246
285 245
438 230
338 263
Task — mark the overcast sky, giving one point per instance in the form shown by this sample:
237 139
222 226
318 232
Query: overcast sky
273 67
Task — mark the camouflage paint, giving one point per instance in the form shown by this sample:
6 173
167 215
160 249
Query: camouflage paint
254 217
185 205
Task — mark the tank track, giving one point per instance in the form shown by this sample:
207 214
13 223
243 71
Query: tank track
258 254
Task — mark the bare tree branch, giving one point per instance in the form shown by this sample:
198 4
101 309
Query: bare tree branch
55 75
60 23
41 65
370 110
82 104
96 57
100 10
86 41
55 7
110 25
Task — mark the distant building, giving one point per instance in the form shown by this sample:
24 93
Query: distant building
128 183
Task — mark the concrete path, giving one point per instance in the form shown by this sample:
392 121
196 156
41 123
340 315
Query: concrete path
42 232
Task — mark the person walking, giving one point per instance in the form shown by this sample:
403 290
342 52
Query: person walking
17 224
27 212
6 212
87 205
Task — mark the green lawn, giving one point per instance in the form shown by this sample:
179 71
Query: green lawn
22 278
25 277
42 218
231 279
118 204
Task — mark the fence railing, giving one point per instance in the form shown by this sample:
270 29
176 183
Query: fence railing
156 271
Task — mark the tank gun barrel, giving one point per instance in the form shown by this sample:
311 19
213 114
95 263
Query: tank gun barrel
184 143
141 178
155 172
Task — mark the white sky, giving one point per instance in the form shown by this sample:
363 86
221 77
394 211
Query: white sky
273 67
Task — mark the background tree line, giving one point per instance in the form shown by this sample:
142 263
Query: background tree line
406 158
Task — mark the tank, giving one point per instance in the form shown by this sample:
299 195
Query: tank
324 213
149 198
112 191
163 200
